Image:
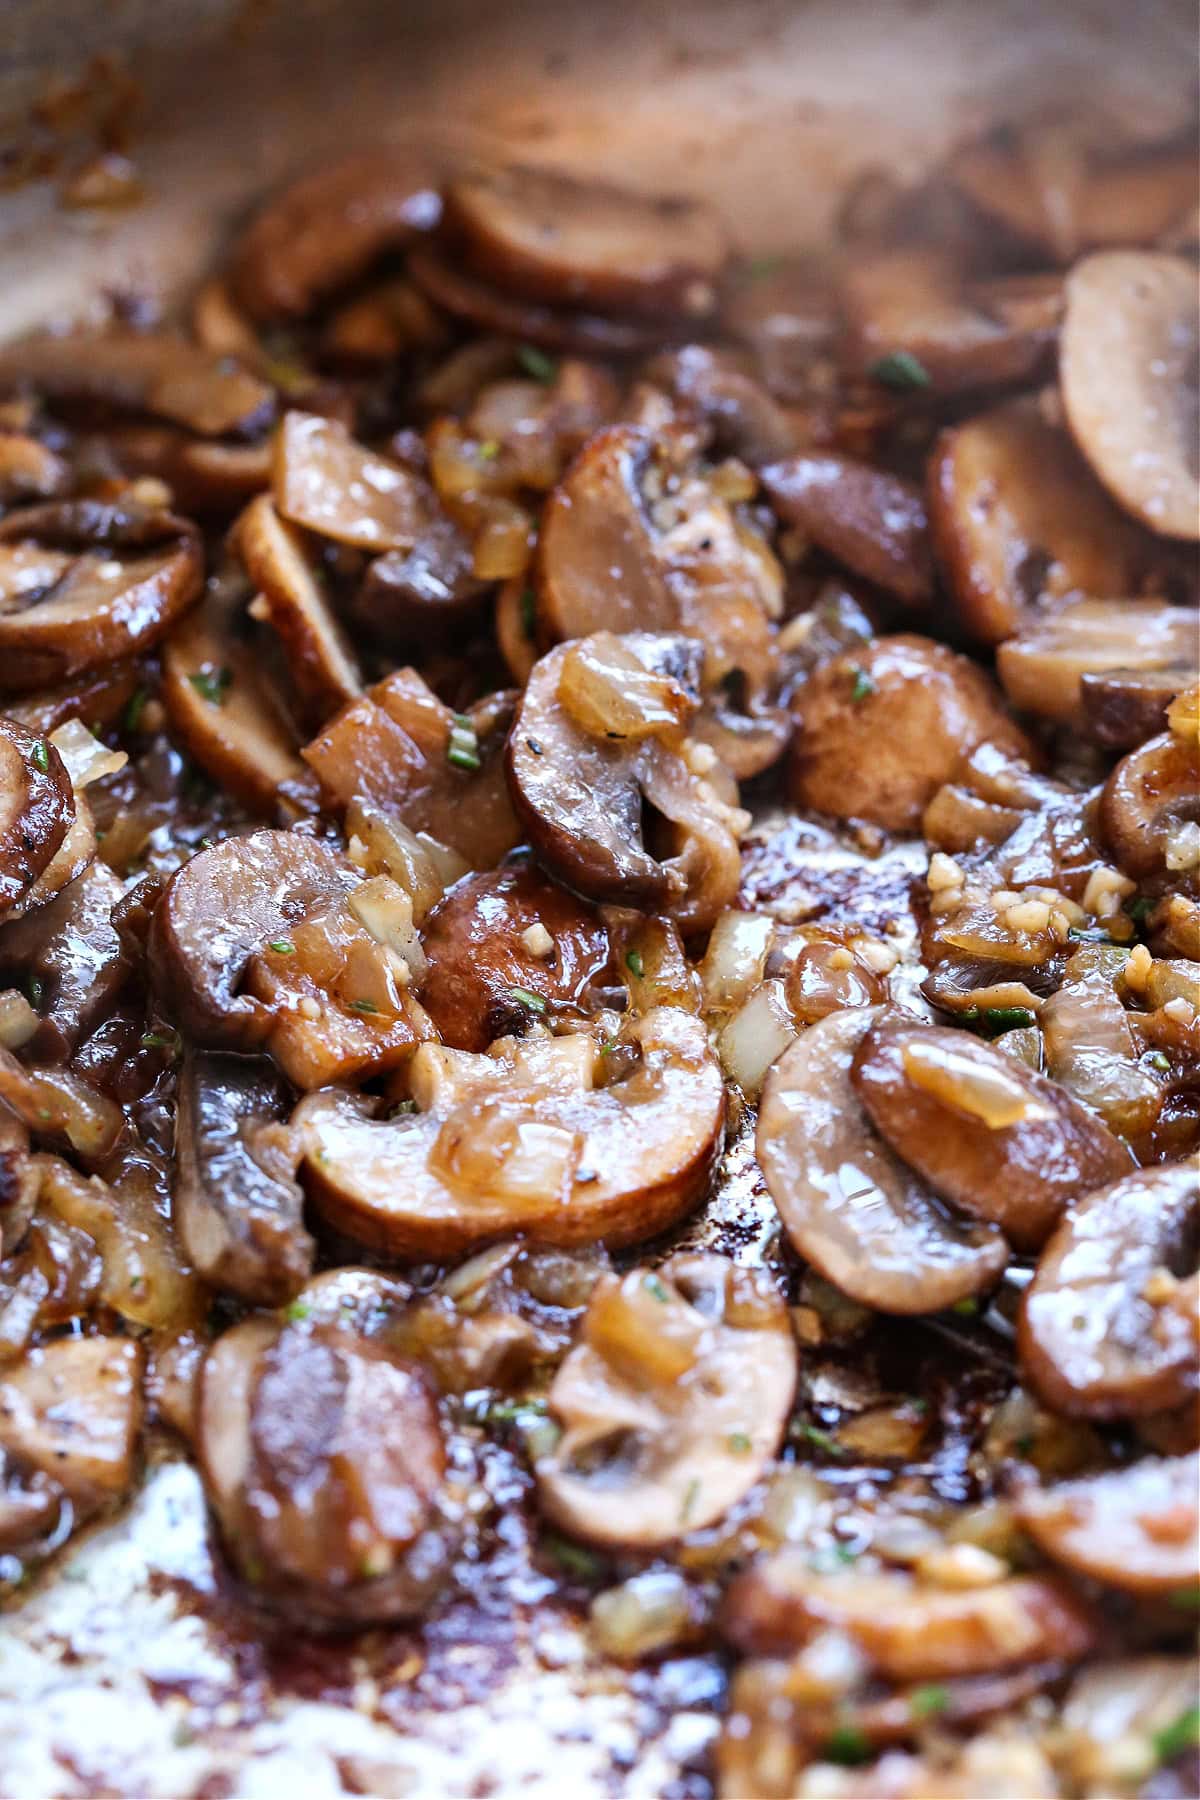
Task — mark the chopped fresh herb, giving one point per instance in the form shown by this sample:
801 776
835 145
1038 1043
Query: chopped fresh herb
635 964
1185 1599
462 751
528 612
299 1309
212 684
1007 1018
1158 1059
364 1006
847 1744
135 709
503 1412
402 1109
821 1440
607 1047
40 756
658 1288
489 450
1181 1734
863 686
1088 934
1024 1444
760 267
157 1040
459 758
535 362
966 1309
901 371
927 1702
1140 909
525 997
282 947
738 1442
35 988
689 1500
583 1564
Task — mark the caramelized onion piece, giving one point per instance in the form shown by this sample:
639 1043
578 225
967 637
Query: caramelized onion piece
989 1135
848 1205
338 488
37 806
523 1139
29 470
870 521
1129 368
145 1278
1042 670
73 1410
1151 791
672 1403
1108 1325
1134 1528
143 372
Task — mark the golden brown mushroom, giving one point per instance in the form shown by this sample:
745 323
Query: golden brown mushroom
870 521
1151 795
1043 668
1134 1528
37 808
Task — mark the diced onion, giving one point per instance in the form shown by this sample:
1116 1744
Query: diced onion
86 758
756 1036
735 958
18 1021
646 1614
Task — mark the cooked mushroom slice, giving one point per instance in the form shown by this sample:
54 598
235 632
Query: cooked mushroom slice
422 596
36 812
1108 1325
910 1630
524 1139
1124 1713
236 1206
1089 1043
327 228
717 389
582 791
1018 519
502 935
219 909
1136 1528
848 1205
871 522
672 1404
18 1181
1129 367
323 1460
881 727
206 477
277 560
986 1133
107 582
1123 707
68 947
1151 798
332 485
143 372
73 1410
568 332
1042 670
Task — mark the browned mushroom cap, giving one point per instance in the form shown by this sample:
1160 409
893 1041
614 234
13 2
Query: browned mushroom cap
457 291
278 562
36 809
716 389
909 1629
496 934
1150 794
543 233
881 727
1108 1325
1129 368
235 1204
985 1132
223 906
69 946
323 1459
1017 517
672 1404
523 1139
73 1410
99 582
332 485
850 1207
205 477
582 793
1123 707
326 229
19 1181
424 595
1042 670
1133 1528
871 522
143 372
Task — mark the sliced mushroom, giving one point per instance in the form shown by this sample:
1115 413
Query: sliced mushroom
423 596
1135 1528
18 1181
36 811
111 581
910 1630
323 1459
672 1403
986 1133
1150 795
71 950
716 389
1123 707
544 233
505 934
849 1206
1108 1324
1120 1705
569 332
219 909
278 562
1089 1043
206 477
523 1138
338 488
236 1206
1018 519
1042 670
881 727
582 793
326 229
143 372
870 521
73 1410
1129 367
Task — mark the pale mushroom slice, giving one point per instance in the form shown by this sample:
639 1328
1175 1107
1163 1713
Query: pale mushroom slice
84 583
1129 368
37 809
527 1137
73 1409
989 1135
1018 520
908 1628
330 484
143 372
324 1461
1043 668
870 521
547 234
1108 1326
236 1206
1136 1528
849 1206
672 1404
1151 797
597 744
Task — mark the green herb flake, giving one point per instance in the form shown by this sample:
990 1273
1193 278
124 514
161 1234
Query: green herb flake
658 1288
156 1040
926 1702
458 758
738 1442
1158 1059
1008 1018
489 450
505 1412
39 756
1181 1734
462 751
966 1309
901 371
635 963
819 1439
528 612
282 947
212 684
847 1744
35 988
1140 909
526 997
759 268
574 1559
1085 934
863 686
1186 1599
299 1309
402 1109
536 363
689 1500
364 1006
132 720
